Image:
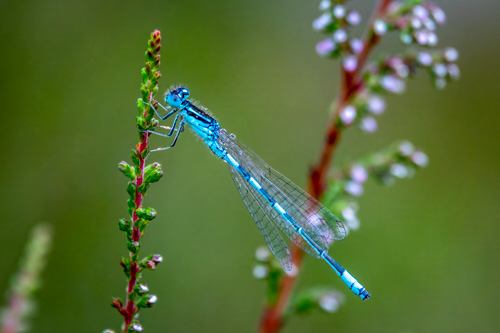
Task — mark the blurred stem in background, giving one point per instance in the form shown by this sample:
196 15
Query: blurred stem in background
27 281
141 176
359 99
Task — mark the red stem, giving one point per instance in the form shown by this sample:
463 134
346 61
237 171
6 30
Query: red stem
130 307
272 316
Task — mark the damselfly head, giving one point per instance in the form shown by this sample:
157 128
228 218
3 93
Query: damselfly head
176 96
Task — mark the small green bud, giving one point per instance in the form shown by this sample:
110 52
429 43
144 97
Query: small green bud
131 204
127 170
373 82
141 123
145 74
124 225
143 188
147 301
153 173
131 189
141 104
147 213
304 305
144 91
125 263
141 224
145 153
133 247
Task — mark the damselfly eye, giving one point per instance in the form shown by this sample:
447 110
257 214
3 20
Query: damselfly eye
173 100
184 93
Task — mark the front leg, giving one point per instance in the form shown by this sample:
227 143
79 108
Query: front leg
170 112
181 129
172 129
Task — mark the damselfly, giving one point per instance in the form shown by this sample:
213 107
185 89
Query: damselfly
274 202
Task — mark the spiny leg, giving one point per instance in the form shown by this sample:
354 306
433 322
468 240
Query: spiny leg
181 129
172 129
170 112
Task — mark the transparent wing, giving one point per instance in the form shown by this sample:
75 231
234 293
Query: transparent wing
316 219
276 219
316 214
271 236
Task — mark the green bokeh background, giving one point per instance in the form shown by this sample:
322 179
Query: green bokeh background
427 248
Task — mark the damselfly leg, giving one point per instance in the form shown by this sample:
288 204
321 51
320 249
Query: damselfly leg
172 129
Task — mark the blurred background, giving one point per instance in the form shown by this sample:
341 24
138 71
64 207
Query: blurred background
427 249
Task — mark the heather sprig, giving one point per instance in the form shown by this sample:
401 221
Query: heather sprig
360 101
23 285
400 160
267 267
324 299
140 176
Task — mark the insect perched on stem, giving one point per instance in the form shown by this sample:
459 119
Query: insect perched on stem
273 201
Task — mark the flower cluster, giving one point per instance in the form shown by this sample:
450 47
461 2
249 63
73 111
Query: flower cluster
362 109
335 21
360 101
398 161
325 299
416 21
388 74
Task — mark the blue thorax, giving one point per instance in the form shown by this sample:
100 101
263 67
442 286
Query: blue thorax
200 122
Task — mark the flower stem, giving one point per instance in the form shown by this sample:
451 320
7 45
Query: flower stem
272 316
141 176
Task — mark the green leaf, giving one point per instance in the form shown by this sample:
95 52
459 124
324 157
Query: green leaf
135 158
143 188
142 124
141 224
124 225
125 263
131 206
131 187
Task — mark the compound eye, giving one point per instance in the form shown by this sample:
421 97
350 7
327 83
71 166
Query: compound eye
184 93
173 100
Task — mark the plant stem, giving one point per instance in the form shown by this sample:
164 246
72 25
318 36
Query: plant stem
272 316
141 176
136 235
